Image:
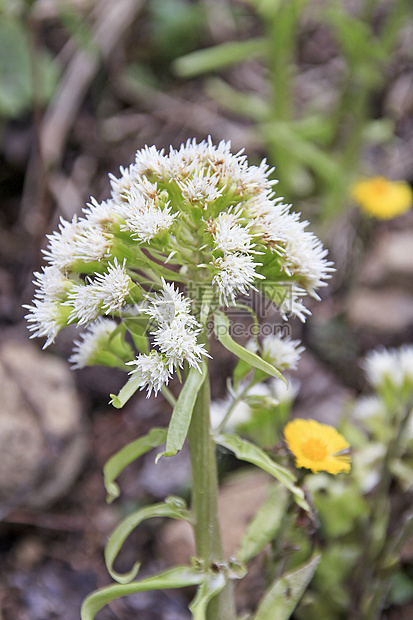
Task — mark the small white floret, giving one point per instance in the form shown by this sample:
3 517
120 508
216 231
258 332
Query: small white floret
235 274
152 371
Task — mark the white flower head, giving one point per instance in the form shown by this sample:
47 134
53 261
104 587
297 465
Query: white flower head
283 393
46 318
201 188
144 218
100 214
94 338
151 371
178 343
61 249
283 353
113 287
235 274
383 365
229 235
241 413
52 283
85 301
169 304
406 362
367 407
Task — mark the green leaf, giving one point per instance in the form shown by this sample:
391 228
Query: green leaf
138 330
264 525
182 413
206 591
219 57
177 577
282 597
173 507
117 463
126 392
222 326
247 451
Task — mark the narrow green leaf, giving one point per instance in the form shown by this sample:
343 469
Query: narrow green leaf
182 413
117 463
264 525
247 451
206 591
219 57
173 507
283 596
222 326
126 392
177 577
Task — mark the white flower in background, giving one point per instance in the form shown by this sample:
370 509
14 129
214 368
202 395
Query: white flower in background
241 414
283 353
229 235
235 274
367 407
406 362
151 371
282 393
383 365
113 287
91 341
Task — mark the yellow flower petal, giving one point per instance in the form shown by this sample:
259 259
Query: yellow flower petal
382 198
317 446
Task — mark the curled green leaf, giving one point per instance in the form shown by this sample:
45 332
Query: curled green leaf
173 507
247 451
117 463
177 577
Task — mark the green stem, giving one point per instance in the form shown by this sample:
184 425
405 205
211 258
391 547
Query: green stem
205 501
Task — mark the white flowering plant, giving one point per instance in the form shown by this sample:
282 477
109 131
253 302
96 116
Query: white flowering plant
183 236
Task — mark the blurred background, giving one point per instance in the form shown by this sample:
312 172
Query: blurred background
321 88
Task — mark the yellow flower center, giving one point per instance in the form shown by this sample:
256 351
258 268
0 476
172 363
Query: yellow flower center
314 449
380 186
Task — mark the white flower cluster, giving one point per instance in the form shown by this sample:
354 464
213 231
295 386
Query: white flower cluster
198 214
175 335
393 366
283 353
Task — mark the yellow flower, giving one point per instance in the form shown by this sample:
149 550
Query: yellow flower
317 446
382 198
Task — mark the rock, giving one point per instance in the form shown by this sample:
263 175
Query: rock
384 310
391 261
43 438
239 500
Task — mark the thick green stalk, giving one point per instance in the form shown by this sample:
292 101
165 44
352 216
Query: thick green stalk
205 501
